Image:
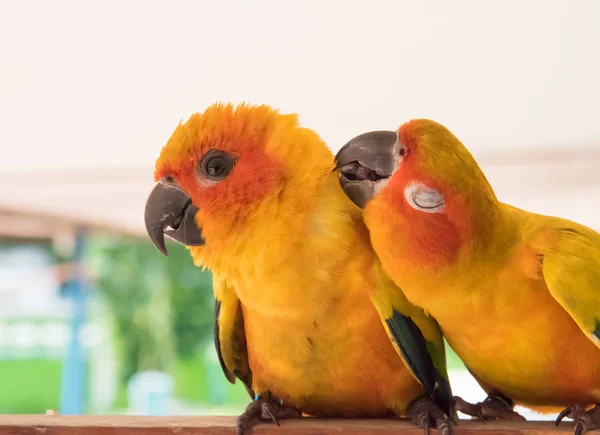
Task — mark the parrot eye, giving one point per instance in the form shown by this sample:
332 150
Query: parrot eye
216 165
424 199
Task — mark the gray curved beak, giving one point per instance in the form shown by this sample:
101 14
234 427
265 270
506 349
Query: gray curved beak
169 211
365 160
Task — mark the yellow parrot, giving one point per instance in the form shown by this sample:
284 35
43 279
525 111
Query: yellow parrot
517 294
304 315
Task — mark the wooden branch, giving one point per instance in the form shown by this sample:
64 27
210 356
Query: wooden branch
127 425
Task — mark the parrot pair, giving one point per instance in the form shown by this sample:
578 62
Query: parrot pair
516 294
305 316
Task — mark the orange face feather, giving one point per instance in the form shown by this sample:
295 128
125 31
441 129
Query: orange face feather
243 132
433 240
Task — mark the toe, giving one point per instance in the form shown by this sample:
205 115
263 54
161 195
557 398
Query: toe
241 427
513 416
584 420
472 410
248 419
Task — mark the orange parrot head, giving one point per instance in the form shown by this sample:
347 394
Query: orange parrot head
232 179
420 187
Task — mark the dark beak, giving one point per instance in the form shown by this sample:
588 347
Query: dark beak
169 210
365 160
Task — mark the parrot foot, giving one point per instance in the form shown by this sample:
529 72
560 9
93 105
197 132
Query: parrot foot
494 407
263 410
585 420
424 412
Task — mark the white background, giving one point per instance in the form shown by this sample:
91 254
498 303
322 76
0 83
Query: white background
90 91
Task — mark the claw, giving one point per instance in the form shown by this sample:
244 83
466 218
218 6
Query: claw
266 408
564 413
584 420
425 423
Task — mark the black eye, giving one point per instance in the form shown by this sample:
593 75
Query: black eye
216 165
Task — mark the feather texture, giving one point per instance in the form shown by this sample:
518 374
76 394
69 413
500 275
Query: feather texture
295 273
515 293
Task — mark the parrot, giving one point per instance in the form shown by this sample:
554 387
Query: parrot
516 293
305 317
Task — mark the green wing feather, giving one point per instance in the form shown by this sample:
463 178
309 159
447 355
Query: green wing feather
417 338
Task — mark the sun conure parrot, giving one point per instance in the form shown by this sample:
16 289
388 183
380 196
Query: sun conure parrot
304 315
517 294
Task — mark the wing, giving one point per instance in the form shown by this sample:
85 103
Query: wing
230 336
570 256
416 336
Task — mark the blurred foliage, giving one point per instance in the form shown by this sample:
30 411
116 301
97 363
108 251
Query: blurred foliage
162 308
29 386
192 301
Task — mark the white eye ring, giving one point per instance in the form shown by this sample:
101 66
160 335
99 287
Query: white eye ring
424 199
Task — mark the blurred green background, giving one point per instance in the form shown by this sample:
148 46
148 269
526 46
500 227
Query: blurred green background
144 313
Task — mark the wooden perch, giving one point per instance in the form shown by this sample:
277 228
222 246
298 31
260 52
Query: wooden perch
127 425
